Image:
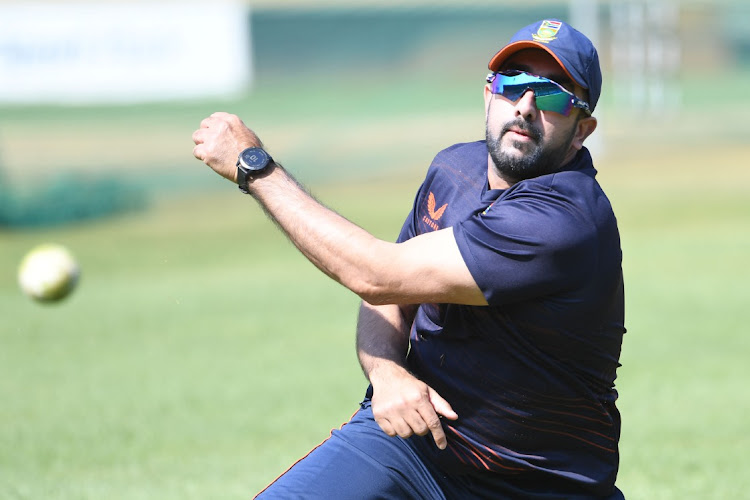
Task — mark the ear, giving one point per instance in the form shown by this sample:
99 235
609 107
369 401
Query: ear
487 99
584 128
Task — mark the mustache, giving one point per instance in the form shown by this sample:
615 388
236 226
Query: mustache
523 125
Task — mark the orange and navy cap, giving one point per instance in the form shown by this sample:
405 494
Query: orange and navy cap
571 48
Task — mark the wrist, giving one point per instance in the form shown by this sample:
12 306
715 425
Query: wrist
252 182
252 163
385 370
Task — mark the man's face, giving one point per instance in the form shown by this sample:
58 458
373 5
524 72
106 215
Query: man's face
524 142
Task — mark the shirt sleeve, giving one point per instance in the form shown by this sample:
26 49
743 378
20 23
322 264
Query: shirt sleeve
531 243
409 229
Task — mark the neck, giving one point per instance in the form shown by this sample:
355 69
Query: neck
570 156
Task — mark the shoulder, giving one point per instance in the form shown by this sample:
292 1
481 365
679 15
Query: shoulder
463 163
576 182
467 156
574 187
460 166
569 208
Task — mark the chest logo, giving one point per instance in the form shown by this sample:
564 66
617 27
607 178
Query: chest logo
435 214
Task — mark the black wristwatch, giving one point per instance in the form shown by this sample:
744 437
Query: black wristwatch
250 163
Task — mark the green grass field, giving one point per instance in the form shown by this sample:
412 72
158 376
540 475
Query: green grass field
202 355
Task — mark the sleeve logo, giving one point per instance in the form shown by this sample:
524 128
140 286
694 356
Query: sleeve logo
434 214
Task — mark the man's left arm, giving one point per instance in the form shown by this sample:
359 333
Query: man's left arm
427 268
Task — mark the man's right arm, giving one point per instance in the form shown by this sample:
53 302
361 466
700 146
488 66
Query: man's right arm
401 404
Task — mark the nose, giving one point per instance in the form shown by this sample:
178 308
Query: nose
526 106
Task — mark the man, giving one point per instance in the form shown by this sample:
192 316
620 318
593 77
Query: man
491 331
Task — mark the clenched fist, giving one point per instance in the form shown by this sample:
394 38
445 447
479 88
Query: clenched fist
220 139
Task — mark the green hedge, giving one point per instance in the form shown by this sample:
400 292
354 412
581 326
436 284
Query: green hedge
66 198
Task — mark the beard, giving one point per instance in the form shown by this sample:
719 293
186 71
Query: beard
538 158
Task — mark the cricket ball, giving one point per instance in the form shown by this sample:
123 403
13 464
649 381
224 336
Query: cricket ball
48 273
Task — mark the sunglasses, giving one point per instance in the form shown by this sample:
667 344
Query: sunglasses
548 95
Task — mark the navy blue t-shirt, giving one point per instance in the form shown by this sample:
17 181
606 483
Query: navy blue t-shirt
531 376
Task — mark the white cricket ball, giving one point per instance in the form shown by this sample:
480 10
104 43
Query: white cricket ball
48 273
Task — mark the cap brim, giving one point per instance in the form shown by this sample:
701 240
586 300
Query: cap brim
498 59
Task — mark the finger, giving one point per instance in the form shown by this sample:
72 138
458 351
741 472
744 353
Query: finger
441 406
386 426
402 428
417 422
198 152
395 425
198 136
431 422
220 114
438 435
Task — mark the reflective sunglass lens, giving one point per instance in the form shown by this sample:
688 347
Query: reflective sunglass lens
548 95
559 103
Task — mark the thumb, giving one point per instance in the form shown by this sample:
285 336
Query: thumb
441 406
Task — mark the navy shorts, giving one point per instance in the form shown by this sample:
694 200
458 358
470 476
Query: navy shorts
361 462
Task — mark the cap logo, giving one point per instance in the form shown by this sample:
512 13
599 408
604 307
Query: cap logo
547 31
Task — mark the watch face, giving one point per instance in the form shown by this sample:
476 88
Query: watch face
254 158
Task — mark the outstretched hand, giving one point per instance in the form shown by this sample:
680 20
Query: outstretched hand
404 405
219 141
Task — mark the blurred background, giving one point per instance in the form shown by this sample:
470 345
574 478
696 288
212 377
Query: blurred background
92 91
201 355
